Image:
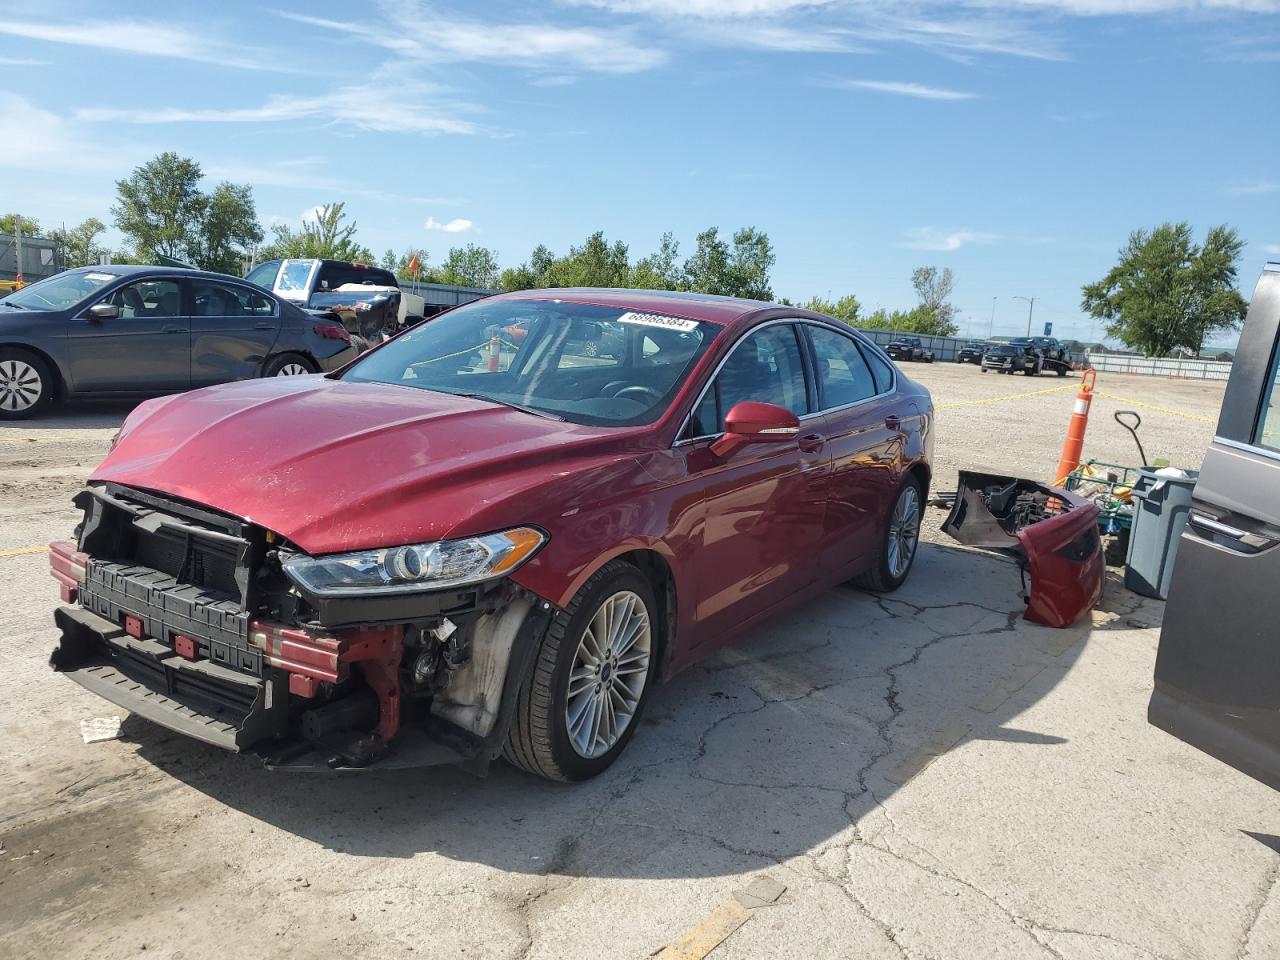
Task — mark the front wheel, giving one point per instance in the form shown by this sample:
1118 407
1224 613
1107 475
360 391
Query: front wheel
26 385
583 699
897 551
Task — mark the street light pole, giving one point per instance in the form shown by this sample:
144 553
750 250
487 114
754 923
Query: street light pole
991 327
1031 306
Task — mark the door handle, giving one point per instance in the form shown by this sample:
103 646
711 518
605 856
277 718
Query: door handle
1243 537
892 422
173 329
264 326
811 443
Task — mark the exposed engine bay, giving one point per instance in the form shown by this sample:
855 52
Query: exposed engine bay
184 615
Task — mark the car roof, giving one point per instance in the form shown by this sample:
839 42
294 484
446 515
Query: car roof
694 306
130 269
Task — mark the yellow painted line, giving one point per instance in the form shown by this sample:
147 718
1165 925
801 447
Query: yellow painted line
707 934
54 439
1012 396
23 551
1152 406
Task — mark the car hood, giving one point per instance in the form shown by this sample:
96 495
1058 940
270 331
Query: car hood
334 465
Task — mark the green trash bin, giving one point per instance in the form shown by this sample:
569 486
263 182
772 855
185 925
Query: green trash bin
1161 502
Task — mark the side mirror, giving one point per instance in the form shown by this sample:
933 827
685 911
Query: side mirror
754 422
102 311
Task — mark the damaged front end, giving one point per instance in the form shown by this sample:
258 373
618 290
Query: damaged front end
188 617
1052 532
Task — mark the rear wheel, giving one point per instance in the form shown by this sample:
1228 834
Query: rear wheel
582 701
898 542
26 384
288 365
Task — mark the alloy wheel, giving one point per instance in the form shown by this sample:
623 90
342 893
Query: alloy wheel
608 676
20 385
904 531
292 370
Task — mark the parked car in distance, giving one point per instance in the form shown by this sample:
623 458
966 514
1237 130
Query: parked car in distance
135 330
1013 357
972 352
529 544
1050 348
1217 676
908 348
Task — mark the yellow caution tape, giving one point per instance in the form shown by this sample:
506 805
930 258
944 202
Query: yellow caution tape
1011 396
1152 406
23 551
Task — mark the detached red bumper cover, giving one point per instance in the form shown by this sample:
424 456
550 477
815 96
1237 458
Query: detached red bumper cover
1053 530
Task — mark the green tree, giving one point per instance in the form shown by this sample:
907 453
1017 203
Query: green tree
469 266
846 309
9 224
738 271
596 263
326 235
934 290
707 269
920 320
80 247
160 207
228 229
1167 291
659 270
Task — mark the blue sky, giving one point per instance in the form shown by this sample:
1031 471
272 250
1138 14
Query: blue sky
1016 141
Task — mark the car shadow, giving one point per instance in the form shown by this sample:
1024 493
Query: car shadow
765 751
78 414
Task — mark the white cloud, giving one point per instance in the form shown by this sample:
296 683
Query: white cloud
901 89
381 105
935 238
1272 248
416 33
311 214
1254 188
768 36
711 9
143 38
21 62
51 144
1132 7
457 225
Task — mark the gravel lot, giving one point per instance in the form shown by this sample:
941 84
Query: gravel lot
927 775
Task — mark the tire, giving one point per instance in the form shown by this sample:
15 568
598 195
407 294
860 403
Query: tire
287 365
1062 371
542 740
590 349
882 576
27 384
984 369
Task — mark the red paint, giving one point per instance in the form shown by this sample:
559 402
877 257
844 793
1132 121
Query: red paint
1064 559
379 650
66 565
184 646
333 466
303 686
133 626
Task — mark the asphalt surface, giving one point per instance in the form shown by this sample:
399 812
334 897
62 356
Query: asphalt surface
921 776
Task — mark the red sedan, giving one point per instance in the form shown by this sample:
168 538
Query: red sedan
483 538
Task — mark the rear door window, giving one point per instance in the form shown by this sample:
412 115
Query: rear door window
880 370
226 300
843 376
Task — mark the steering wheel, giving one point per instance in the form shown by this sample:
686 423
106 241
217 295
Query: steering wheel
637 392
611 388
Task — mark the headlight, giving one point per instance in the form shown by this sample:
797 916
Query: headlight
418 566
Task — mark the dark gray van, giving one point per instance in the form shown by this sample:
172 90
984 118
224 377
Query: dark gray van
1217 682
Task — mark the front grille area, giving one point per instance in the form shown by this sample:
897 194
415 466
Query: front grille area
179 568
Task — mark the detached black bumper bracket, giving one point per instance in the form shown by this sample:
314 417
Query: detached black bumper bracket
197 698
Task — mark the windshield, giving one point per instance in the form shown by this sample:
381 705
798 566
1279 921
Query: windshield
61 291
587 364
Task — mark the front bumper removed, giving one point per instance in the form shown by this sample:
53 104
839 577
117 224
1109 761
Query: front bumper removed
1052 532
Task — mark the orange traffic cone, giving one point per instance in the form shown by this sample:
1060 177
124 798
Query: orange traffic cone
1075 429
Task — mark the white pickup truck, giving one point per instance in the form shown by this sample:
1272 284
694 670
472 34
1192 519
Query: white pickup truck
325 284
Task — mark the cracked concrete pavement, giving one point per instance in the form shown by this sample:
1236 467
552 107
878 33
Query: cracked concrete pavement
929 775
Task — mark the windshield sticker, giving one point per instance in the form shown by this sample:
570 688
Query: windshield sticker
658 320
99 276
